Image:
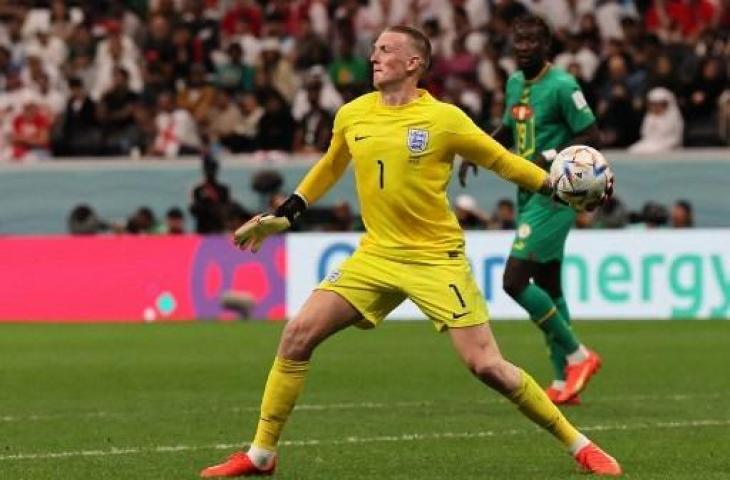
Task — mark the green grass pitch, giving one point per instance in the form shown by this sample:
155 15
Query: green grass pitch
162 401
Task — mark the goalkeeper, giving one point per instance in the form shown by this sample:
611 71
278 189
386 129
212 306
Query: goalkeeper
402 143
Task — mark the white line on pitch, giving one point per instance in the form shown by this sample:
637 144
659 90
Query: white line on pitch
359 406
409 437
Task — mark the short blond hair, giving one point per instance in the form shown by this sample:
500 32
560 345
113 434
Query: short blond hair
419 40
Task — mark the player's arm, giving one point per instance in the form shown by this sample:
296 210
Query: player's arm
482 150
320 178
503 135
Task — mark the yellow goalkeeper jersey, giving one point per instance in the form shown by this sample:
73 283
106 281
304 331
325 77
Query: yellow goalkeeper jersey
403 157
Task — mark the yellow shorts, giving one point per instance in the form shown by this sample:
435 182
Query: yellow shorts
446 292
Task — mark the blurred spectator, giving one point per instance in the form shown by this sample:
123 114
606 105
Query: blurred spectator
115 112
609 15
210 200
13 40
81 43
652 215
222 122
249 43
143 221
560 15
662 127
268 183
174 221
504 216
460 62
235 216
116 50
50 100
618 120
159 47
577 52
490 75
79 132
329 98
247 130
724 116
468 213
676 20
34 69
31 132
49 48
682 216
347 69
242 11
344 220
63 20
276 69
234 75
197 96
83 220
203 29
311 49
82 68
612 214
177 133
314 130
6 66
276 125
702 103
616 70
663 73
184 54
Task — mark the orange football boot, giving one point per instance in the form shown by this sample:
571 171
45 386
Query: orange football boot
577 376
554 393
594 460
238 465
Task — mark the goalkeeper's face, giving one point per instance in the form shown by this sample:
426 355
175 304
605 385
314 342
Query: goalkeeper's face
394 60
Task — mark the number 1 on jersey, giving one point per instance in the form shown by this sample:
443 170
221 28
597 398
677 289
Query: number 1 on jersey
381 166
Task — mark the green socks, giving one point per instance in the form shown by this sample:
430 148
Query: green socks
552 318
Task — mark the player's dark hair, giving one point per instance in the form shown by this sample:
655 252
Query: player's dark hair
419 39
532 20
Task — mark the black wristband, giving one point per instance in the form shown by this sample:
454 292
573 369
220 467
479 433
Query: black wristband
291 208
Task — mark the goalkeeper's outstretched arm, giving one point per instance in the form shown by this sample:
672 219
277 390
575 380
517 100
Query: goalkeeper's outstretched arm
483 150
324 174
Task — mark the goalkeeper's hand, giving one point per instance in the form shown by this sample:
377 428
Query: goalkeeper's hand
251 235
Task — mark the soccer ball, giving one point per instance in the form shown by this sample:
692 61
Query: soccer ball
582 177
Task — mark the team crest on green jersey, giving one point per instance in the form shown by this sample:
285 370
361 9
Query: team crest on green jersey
522 112
524 117
417 140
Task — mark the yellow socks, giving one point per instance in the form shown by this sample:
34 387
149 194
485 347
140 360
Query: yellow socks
283 386
535 405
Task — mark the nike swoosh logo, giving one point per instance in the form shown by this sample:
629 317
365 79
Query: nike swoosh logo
459 315
357 139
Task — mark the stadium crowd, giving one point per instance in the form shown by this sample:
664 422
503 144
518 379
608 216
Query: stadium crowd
171 77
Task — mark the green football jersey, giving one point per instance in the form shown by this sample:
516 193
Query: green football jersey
544 113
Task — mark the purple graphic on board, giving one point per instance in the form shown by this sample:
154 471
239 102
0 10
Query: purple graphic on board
219 267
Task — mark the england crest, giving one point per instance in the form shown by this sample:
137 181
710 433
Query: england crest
417 140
